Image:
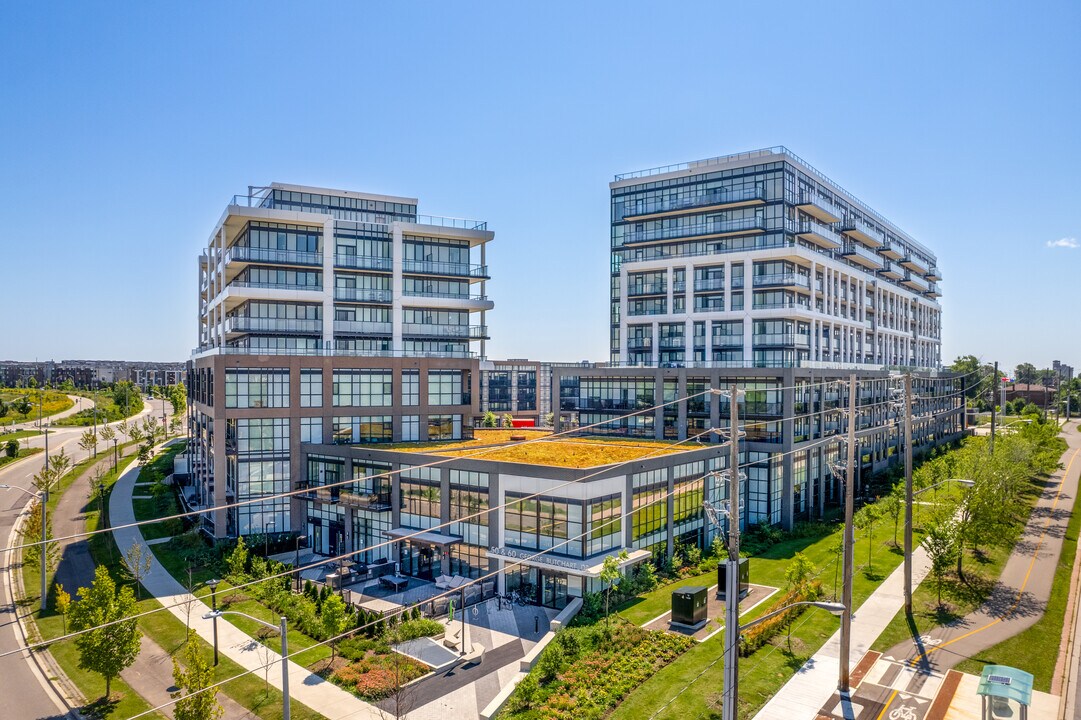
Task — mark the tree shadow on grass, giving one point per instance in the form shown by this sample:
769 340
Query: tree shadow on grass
102 707
873 575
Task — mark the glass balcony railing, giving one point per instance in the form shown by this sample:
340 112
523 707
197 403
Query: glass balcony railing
362 326
673 343
737 282
861 255
647 289
861 231
820 208
639 344
205 351
933 273
244 323
780 305
647 311
244 253
675 204
679 286
453 269
448 296
372 295
454 331
363 262
782 279
273 286
727 341
708 228
821 235
708 284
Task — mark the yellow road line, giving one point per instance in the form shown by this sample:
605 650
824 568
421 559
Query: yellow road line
1020 592
886 706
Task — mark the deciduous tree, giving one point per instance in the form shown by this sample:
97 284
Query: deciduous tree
194 701
111 642
609 575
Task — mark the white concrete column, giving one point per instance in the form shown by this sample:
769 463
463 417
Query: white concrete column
397 253
328 283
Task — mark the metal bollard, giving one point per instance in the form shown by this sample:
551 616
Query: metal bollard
536 624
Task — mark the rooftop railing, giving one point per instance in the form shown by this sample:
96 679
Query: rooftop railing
431 267
375 295
452 222
329 352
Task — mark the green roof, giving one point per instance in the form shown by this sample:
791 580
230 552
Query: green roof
1006 682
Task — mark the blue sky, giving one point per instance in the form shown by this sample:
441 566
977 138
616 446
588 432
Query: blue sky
126 128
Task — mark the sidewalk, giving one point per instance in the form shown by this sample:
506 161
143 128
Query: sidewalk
814 683
321 696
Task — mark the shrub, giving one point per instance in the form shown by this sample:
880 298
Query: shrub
413 629
763 632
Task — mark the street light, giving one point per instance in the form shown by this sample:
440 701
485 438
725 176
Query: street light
834 608
43 496
297 565
266 537
215 614
213 584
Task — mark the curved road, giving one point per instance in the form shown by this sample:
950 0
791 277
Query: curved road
20 679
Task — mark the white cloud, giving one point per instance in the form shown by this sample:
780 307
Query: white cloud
1070 243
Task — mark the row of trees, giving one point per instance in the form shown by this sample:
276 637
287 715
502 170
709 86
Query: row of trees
980 387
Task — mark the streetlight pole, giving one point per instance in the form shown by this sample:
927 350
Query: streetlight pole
43 496
731 590
846 591
908 493
266 538
213 584
283 629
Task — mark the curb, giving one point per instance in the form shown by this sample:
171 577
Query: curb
50 673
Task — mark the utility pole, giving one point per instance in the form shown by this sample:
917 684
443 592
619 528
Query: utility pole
731 589
994 399
908 493
846 592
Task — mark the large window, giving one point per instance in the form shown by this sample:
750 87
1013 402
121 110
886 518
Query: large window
444 387
256 388
468 560
544 524
649 521
368 429
311 388
410 428
605 525
311 430
420 503
363 388
468 497
410 387
444 427
257 462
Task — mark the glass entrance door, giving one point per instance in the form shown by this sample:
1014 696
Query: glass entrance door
554 590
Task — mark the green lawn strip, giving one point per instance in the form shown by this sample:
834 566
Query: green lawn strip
1029 650
245 604
18 435
765 671
23 452
54 402
107 410
249 690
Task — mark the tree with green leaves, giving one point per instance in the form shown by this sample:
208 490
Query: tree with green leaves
865 519
507 421
237 561
107 434
178 398
111 642
893 506
136 563
194 701
940 542
62 602
30 532
799 571
1025 373
123 428
88 441
11 448
610 574
335 617
490 420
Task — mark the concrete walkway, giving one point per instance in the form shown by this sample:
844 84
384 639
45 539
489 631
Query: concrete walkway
321 696
816 682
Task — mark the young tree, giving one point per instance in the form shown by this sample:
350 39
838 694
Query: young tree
507 421
176 424
11 448
893 505
123 428
63 604
609 575
798 572
865 519
136 564
334 618
60 462
402 671
192 679
107 433
941 544
237 562
30 532
88 441
106 648
489 420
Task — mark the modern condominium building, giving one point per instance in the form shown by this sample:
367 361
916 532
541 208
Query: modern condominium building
759 260
327 316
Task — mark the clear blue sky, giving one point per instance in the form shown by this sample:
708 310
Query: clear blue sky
125 129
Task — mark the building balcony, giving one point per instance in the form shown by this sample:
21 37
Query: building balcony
891 250
704 202
640 344
273 286
679 286
891 270
782 305
781 340
245 254
365 327
861 232
915 282
376 502
445 269
474 297
673 343
246 324
703 230
465 332
727 341
713 303
820 235
933 291
794 280
647 311
708 284
933 273
639 289
820 208
363 295
736 283
363 262
860 255
915 263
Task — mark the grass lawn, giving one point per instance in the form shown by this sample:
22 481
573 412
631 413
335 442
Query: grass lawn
769 668
1030 650
52 401
18 435
107 409
23 452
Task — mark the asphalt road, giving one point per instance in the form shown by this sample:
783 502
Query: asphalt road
25 691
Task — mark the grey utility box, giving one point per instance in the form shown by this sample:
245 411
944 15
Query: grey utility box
744 578
689 606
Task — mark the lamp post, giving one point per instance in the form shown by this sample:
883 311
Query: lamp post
213 584
114 455
266 537
42 565
215 614
297 564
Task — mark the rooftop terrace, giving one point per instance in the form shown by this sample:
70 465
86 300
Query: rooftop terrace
563 451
